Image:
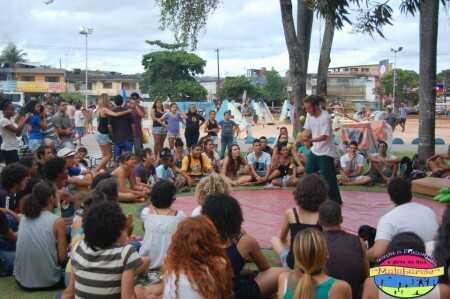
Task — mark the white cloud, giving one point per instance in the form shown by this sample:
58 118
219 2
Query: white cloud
249 34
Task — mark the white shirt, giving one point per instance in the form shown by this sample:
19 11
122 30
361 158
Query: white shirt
79 119
319 126
408 217
10 142
358 161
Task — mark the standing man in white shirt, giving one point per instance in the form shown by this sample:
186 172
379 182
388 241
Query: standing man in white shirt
247 112
319 131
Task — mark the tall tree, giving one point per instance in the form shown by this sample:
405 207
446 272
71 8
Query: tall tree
235 87
429 14
170 73
12 55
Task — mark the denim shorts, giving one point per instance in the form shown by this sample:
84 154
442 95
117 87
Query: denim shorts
102 139
283 257
288 177
215 139
159 131
173 134
34 144
80 131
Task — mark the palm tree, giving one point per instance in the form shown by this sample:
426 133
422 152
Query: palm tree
12 55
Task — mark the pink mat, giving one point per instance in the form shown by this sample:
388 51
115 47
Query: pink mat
264 209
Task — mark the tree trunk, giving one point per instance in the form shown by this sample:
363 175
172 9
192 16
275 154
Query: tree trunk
324 61
298 49
429 13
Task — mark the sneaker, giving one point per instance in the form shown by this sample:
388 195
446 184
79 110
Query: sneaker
153 277
186 189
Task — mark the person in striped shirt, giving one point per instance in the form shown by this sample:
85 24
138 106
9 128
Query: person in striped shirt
103 264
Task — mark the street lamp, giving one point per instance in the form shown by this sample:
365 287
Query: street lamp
395 59
86 31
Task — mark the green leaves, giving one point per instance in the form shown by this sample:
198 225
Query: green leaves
12 55
186 18
171 72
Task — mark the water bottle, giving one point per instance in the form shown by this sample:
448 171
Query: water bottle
284 182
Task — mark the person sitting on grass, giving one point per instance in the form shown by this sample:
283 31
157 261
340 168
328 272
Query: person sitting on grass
196 265
195 166
281 139
9 225
436 164
384 166
211 154
43 154
301 156
44 232
159 222
145 169
260 164
79 178
308 280
210 185
309 194
12 180
124 173
283 168
178 153
352 166
30 163
226 214
102 263
231 167
354 268
94 198
264 146
401 242
164 172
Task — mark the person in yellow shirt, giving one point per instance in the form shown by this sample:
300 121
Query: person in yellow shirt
195 166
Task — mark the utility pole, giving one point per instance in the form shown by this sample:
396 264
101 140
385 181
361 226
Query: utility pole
218 75
393 87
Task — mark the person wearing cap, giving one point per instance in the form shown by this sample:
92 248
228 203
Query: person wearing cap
78 179
347 252
61 121
137 113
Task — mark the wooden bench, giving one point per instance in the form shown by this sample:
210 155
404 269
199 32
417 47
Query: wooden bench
429 186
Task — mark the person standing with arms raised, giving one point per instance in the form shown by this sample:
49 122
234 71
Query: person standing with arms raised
319 131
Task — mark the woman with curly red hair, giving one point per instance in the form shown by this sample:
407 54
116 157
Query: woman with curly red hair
196 266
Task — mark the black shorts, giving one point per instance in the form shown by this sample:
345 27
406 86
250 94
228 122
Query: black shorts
402 120
191 138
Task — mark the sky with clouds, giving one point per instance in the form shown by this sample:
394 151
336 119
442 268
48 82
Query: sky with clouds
248 33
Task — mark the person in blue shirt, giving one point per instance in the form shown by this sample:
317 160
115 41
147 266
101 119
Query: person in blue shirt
37 122
164 172
226 126
403 112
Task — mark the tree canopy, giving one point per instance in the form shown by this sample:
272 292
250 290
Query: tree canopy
407 85
170 73
275 87
12 55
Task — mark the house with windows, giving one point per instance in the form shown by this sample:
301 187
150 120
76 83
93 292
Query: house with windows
111 83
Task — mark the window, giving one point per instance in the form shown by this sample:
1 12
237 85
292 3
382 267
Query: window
89 86
28 78
51 79
353 69
107 85
364 69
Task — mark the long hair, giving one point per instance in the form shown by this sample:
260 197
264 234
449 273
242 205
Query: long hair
212 184
103 101
311 253
195 250
40 195
231 160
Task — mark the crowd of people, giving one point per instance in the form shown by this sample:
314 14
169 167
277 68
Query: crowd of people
89 249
